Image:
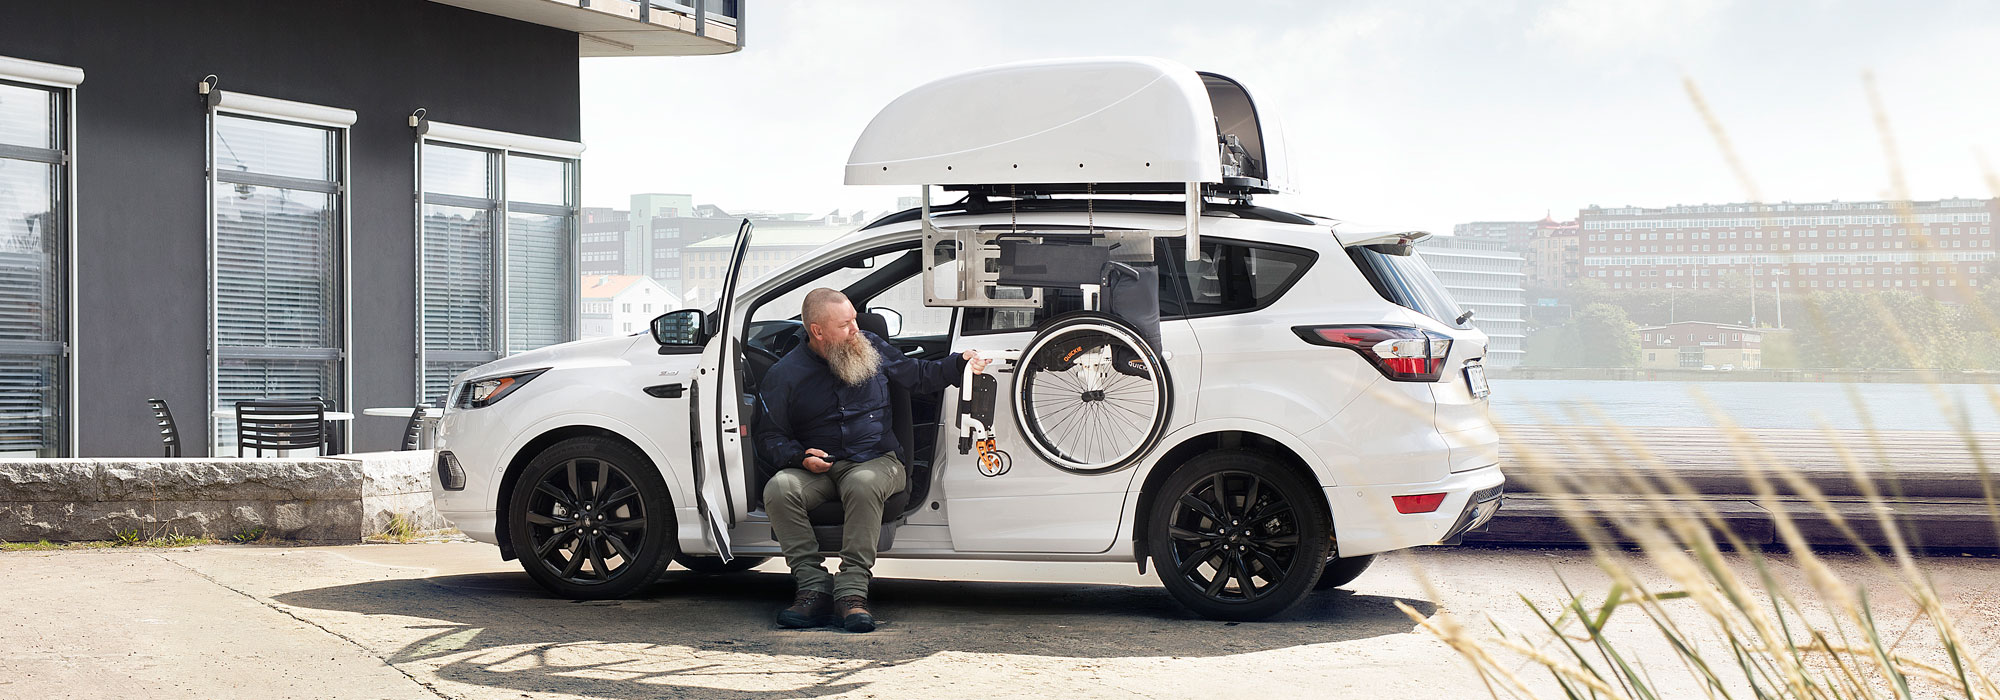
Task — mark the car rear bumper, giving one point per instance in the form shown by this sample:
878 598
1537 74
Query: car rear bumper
1365 520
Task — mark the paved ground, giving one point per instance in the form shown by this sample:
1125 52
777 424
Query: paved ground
452 620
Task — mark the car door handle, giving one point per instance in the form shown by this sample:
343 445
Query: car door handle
666 391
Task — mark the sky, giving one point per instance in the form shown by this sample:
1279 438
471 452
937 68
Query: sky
1420 114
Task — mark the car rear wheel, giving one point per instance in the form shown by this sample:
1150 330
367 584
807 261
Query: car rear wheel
1236 535
1341 572
591 519
705 564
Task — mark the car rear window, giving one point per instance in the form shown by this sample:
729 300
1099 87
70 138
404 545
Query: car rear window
1231 277
1407 281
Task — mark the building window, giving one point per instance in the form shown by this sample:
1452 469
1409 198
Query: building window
499 248
278 252
36 397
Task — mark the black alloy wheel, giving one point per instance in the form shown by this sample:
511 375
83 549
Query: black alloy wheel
1236 535
590 519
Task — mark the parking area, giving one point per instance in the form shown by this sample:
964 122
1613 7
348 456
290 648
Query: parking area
452 620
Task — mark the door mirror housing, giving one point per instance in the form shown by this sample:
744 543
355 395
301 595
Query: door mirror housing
891 318
679 330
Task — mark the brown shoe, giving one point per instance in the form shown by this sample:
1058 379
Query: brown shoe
809 609
854 613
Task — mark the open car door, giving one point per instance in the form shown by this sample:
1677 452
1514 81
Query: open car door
718 439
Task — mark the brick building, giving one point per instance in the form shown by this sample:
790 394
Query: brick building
1936 248
1699 344
1554 257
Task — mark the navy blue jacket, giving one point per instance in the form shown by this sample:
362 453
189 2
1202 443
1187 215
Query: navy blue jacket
806 406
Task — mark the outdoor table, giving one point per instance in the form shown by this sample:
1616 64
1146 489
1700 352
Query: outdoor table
401 412
230 414
427 434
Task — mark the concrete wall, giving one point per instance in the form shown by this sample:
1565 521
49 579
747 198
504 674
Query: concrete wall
140 140
338 500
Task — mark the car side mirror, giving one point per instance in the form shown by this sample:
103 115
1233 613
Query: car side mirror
891 319
679 330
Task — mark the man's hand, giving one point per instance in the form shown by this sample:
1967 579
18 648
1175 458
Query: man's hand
815 461
978 363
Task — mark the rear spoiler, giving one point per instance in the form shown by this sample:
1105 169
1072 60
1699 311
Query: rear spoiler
1386 243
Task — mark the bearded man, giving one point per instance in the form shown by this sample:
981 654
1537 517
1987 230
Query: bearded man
827 428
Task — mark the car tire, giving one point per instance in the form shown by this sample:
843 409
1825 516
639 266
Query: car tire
1229 518
705 564
1105 427
591 519
1341 572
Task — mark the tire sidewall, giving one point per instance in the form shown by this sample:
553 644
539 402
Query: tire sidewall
1314 525
662 542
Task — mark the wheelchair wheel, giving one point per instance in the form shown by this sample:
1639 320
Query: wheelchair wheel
1090 395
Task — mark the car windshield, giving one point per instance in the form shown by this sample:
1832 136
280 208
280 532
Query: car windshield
1406 280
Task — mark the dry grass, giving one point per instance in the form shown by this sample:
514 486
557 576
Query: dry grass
1694 610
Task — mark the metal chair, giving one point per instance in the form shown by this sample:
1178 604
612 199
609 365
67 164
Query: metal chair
280 425
170 436
414 430
332 434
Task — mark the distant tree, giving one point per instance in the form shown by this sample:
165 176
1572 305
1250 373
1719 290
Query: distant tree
1890 329
1600 335
1780 351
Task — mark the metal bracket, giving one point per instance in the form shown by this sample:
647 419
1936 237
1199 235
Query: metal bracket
961 264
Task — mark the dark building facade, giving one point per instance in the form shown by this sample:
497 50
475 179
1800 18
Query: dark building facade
211 200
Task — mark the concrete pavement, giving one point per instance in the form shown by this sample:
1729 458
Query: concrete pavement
451 620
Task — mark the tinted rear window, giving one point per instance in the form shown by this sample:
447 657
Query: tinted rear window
1407 281
1230 277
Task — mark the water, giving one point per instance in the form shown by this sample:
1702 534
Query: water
1748 404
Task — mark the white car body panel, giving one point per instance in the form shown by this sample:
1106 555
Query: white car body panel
1363 437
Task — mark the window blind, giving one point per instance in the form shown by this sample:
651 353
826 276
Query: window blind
277 262
33 301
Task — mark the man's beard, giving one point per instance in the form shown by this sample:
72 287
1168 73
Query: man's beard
854 361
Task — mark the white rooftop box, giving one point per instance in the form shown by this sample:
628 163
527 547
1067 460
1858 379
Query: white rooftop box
1125 125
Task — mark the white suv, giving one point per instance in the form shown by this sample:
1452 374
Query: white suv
1320 400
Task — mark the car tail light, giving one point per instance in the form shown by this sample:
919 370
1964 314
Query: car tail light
1402 353
1420 503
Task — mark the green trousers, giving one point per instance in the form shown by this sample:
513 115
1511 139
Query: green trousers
860 487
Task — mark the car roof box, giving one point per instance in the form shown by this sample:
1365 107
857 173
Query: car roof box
1125 125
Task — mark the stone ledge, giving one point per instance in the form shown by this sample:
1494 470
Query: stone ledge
333 499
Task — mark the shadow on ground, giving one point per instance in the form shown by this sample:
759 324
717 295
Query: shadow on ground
712 636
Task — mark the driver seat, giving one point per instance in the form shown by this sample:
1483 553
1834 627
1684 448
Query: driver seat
827 517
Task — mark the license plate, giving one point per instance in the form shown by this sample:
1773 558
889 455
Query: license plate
1475 379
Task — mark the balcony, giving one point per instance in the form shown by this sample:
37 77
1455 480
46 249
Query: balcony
630 27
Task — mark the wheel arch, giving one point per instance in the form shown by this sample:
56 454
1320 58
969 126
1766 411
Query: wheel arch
542 441
1190 443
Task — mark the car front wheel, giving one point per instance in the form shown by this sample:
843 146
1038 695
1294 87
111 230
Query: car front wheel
591 519
1236 535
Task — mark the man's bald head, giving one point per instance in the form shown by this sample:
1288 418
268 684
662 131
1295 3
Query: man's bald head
820 304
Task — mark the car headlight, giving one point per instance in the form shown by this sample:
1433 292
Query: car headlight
480 393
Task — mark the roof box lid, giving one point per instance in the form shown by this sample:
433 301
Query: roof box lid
1138 121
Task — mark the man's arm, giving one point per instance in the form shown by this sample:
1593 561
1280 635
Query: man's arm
774 435
918 376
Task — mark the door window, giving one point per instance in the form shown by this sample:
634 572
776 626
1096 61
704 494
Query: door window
906 299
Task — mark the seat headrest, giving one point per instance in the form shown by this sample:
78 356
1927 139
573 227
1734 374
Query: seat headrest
873 323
